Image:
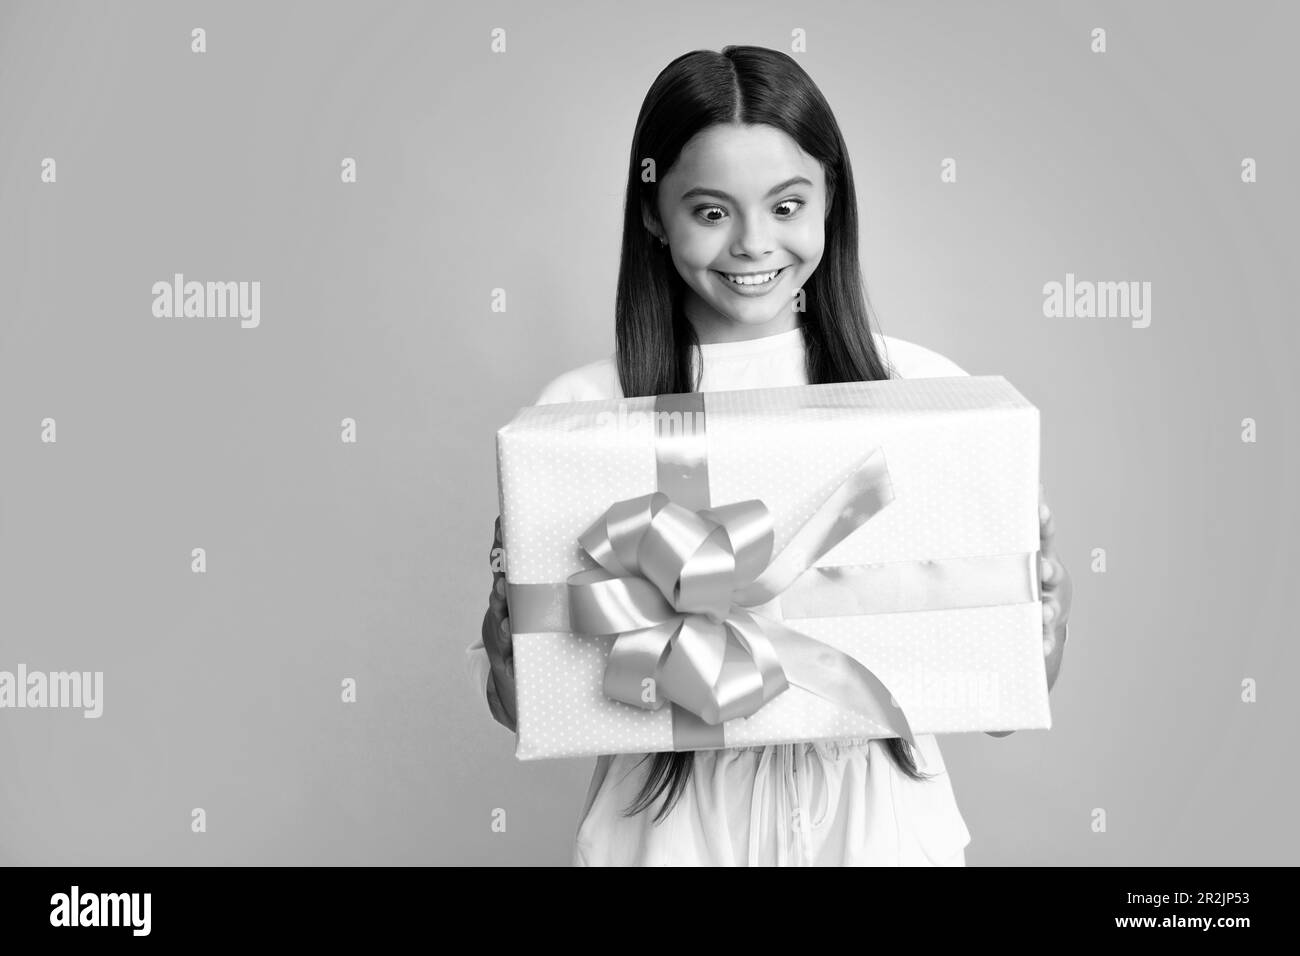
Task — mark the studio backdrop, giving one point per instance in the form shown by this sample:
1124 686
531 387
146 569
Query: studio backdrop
260 532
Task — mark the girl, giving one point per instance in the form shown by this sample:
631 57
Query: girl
740 270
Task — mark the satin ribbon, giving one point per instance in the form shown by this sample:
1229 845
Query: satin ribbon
677 585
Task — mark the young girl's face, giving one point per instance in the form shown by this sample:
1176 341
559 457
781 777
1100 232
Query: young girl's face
743 201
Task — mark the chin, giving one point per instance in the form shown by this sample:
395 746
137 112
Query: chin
746 317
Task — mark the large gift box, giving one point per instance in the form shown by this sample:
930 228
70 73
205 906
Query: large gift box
731 569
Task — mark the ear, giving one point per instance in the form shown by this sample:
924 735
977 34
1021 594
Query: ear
651 221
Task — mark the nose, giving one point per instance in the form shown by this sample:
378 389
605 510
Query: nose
753 239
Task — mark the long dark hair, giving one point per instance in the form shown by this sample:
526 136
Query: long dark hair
748 85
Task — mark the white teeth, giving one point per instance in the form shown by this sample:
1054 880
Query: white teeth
752 280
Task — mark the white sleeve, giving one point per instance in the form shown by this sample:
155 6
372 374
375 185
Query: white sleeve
940 366
910 360
557 391
477 668
590 382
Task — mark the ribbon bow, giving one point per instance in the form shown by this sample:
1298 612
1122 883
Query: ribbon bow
676 587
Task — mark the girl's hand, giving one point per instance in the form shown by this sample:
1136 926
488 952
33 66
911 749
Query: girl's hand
1058 592
498 643
1058 595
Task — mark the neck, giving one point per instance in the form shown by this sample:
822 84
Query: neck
711 327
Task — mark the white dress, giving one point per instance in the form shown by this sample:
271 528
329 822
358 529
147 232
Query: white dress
830 803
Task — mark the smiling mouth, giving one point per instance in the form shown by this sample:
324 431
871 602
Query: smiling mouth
752 279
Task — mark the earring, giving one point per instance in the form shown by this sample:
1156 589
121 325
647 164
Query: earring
663 243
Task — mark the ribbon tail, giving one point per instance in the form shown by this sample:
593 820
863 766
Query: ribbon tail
858 499
829 673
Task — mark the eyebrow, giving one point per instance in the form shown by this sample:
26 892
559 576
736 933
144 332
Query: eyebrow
705 191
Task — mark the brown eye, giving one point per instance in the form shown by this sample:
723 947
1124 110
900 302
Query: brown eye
798 203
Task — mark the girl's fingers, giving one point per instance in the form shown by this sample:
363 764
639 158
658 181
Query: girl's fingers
1051 611
1053 614
505 667
1047 546
500 649
1046 522
1050 571
501 711
491 636
497 611
507 640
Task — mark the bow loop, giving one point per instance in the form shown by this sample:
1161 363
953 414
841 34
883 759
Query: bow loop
695 559
748 525
689 559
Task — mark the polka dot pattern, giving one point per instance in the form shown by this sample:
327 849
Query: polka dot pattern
962 454
968 669
559 467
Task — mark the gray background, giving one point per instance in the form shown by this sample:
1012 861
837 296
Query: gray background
476 171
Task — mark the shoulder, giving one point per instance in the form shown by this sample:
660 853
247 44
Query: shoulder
909 360
586 383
